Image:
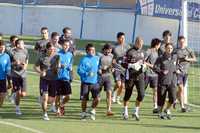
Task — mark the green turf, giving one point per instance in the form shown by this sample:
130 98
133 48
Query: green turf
71 123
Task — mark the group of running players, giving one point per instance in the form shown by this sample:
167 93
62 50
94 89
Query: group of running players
164 67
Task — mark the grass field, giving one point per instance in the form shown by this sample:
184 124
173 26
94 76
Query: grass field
31 120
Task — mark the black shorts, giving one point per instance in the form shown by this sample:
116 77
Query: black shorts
3 88
19 83
151 81
48 86
119 76
182 79
63 88
105 82
86 88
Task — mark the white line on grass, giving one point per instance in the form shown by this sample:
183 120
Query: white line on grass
20 126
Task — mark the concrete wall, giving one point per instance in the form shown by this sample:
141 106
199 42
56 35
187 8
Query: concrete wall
98 24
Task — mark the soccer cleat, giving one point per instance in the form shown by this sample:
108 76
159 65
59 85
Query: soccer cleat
125 117
18 112
136 116
109 113
114 99
155 111
168 114
46 118
83 116
92 115
162 116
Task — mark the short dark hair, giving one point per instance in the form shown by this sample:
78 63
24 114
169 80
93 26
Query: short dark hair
43 28
155 42
88 46
107 46
53 34
17 41
167 44
66 29
119 34
2 43
181 37
12 38
66 41
166 33
1 34
49 45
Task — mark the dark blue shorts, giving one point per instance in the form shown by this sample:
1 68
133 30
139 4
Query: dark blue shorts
48 86
119 76
105 82
19 83
182 79
86 88
3 88
63 88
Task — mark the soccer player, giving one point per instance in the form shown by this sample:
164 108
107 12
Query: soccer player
45 66
9 47
41 44
67 35
167 38
55 41
105 71
151 78
119 51
19 59
166 67
63 83
185 57
5 69
134 64
88 72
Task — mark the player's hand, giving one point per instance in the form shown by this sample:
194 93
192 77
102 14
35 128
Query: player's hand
43 74
178 71
165 72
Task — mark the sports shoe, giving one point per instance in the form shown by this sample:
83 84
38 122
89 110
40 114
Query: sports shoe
162 116
155 111
125 117
168 114
18 112
45 117
92 115
136 116
118 102
83 116
109 113
114 99
53 108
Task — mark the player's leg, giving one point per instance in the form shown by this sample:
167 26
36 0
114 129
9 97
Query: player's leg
52 95
108 89
153 85
161 92
129 84
84 96
3 91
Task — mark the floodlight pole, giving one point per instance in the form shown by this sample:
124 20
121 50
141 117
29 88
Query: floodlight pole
185 34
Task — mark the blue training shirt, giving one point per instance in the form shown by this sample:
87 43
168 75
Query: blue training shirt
88 69
5 66
66 60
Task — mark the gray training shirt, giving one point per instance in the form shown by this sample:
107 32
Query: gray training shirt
119 51
181 55
151 56
106 63
22 56
46 63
